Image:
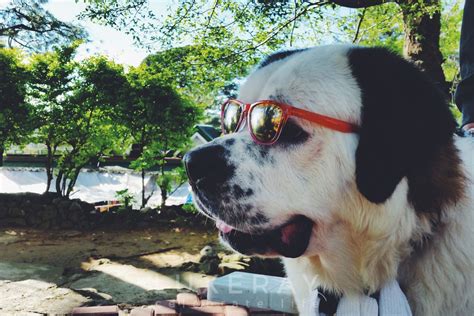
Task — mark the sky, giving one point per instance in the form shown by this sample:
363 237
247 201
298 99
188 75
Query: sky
103 39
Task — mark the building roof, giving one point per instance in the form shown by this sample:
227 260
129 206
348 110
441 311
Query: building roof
209 132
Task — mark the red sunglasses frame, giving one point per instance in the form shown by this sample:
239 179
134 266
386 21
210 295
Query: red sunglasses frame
287 111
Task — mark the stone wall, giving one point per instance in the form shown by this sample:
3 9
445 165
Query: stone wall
44 211
52 212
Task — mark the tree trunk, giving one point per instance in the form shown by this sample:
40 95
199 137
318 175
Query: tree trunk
164 191
49 168
422 23
164 197
163 188
143 189
63 186
58 183
72 182
2 150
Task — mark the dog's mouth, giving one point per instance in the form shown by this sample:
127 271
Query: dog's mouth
289 240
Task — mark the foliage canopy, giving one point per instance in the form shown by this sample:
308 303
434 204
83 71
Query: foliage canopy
15 121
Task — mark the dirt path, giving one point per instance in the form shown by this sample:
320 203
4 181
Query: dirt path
54 271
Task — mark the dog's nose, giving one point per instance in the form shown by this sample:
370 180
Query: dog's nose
208 161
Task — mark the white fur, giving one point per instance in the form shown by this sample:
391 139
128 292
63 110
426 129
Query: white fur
356 245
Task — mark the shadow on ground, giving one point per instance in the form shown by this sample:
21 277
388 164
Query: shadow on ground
55 271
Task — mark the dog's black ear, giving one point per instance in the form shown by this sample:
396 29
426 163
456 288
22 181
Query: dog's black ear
405 120
278 56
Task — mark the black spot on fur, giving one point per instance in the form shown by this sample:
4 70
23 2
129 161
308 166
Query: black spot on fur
238 192
406 131
229 142
259 153
278 56
263 151
245 209
259 218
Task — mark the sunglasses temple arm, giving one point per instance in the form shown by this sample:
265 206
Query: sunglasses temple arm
326 121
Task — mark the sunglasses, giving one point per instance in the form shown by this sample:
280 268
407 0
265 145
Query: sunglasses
266 119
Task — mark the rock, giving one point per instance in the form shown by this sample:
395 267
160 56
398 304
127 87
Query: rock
46 211
94 294
146 209
66 224
45 224
6 239
62 213
34 219
17 212
16 221
34 209
85 225
64 204
49 213
207 251
86 207
75 212
210 265
3 211
75 207
27 205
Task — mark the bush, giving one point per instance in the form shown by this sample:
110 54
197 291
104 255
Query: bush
125 198
189 208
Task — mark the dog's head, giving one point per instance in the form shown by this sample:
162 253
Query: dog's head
350 202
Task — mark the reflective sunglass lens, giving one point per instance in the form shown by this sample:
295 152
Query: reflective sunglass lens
265 120
231 117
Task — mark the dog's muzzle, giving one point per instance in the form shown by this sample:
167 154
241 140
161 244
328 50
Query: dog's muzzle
209 174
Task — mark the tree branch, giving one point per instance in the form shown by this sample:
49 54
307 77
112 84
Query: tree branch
356 36
31 26
214 7
357 4
277 29
294 24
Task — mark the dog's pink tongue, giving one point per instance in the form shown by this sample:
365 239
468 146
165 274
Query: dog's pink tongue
223 227
288 231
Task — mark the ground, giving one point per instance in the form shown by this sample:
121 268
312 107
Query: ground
54 271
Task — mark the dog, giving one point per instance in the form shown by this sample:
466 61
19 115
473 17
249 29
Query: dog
349 211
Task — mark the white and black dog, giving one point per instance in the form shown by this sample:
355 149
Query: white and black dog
348 212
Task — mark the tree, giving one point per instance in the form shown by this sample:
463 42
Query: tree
52 76
182 68
75 105
27 24
159 120
91 131
15 114
258 27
